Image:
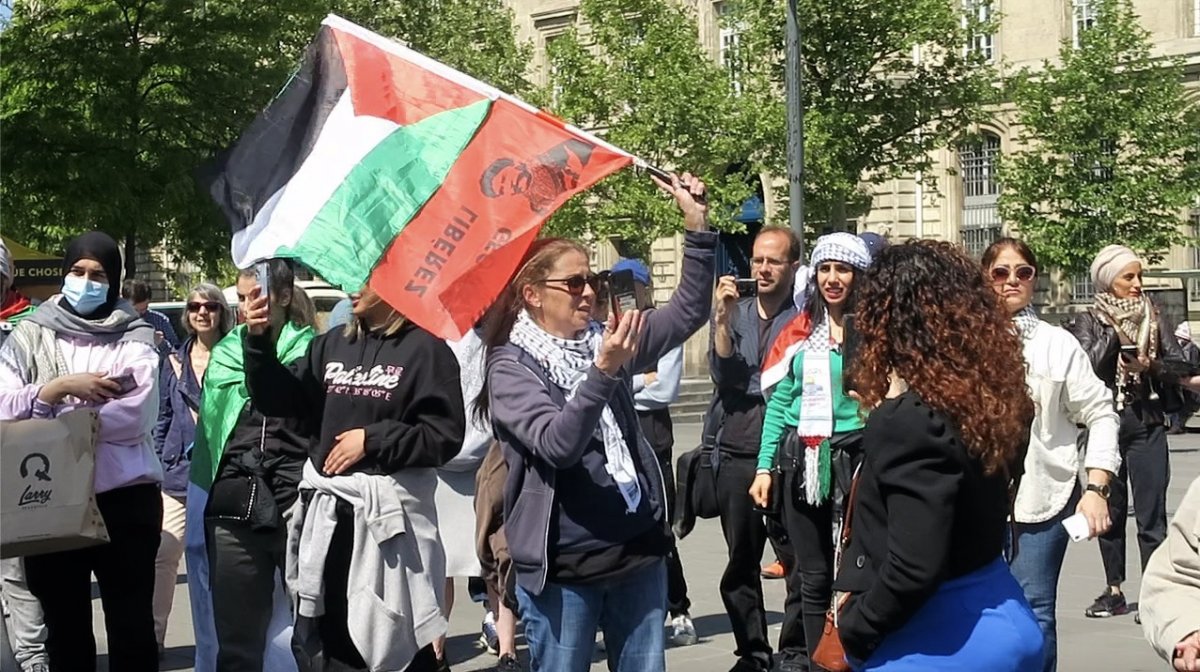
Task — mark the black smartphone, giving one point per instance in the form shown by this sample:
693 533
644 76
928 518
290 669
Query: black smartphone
747 287
126 381
849 347
622 293
1129 351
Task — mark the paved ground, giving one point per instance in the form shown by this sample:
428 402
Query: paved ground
1084 644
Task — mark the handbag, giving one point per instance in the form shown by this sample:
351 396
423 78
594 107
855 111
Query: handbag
48 500
829 654
245 497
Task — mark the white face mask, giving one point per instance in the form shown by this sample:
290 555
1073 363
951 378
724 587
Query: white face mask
84 295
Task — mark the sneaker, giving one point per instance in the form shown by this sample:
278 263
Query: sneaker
683 631
442 665
774 570
490 639
1108 604
508 663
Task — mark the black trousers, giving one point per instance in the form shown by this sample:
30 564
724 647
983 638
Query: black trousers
659 431
124 570
810 530
741 584
1146 467
243 565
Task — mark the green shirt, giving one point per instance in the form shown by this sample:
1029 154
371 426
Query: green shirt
783 408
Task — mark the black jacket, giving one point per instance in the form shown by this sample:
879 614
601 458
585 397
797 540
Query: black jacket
403 390
1102 345
924 513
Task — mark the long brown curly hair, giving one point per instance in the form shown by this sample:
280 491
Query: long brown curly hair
926 314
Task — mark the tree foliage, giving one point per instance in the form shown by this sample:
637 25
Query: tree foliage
870 112
1110 147
108 107
634 71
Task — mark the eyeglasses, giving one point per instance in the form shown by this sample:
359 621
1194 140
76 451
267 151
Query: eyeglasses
768 261
575 283
1024 273
195 306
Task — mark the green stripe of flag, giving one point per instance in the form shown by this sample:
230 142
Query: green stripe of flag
382 194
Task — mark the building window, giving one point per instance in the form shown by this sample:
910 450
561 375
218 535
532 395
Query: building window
1193 284
978 41
1083 18
981 191
1082 289
729 53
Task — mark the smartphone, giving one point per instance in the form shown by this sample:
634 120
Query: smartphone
747 287
126 381
262 272
622 293
1077 527
849 348
1129 351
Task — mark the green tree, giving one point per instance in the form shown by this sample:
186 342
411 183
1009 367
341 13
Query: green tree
885 84
475 36
634 72
1110 142
108 107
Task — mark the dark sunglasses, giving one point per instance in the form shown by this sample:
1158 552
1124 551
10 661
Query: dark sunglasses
575 284
1024 273
195 306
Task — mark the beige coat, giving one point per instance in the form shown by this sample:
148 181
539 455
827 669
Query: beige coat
1170 601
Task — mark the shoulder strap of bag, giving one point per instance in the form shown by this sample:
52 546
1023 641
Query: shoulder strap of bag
847 519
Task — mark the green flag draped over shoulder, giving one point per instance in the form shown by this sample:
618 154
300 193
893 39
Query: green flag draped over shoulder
225 396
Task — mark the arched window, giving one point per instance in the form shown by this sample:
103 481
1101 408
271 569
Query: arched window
981 190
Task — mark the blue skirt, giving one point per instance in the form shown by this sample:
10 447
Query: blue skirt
978 622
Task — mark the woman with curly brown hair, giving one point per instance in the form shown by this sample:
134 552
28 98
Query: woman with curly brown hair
927 586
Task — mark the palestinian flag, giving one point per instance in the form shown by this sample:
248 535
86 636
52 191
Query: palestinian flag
779 360
377 164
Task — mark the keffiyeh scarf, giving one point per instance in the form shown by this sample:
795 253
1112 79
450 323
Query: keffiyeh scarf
566 362
1133 318
1026 321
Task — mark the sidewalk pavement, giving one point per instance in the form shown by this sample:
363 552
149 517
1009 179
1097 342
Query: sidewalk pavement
1113 645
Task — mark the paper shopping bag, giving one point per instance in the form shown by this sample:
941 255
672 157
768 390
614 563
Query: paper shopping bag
47 493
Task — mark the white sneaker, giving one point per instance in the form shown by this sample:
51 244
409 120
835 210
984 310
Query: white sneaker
683 631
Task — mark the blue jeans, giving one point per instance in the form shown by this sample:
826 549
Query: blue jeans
561 622
1041 549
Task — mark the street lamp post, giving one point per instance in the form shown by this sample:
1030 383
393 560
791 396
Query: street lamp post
794 81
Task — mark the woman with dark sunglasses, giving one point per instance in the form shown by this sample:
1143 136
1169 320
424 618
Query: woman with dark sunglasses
180 380
584 508
1066 394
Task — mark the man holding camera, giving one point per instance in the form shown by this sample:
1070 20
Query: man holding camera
745 324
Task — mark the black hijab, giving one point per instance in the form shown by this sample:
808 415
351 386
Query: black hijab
100 247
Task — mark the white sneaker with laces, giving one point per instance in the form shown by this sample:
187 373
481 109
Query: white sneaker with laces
683 631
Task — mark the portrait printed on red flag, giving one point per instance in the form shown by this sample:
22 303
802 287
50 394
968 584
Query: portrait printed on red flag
542 180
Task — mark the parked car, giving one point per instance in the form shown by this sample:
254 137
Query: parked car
324 296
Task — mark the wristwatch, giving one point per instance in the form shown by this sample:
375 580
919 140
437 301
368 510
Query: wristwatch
1102 490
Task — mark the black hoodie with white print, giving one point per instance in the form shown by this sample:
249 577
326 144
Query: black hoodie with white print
402 389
